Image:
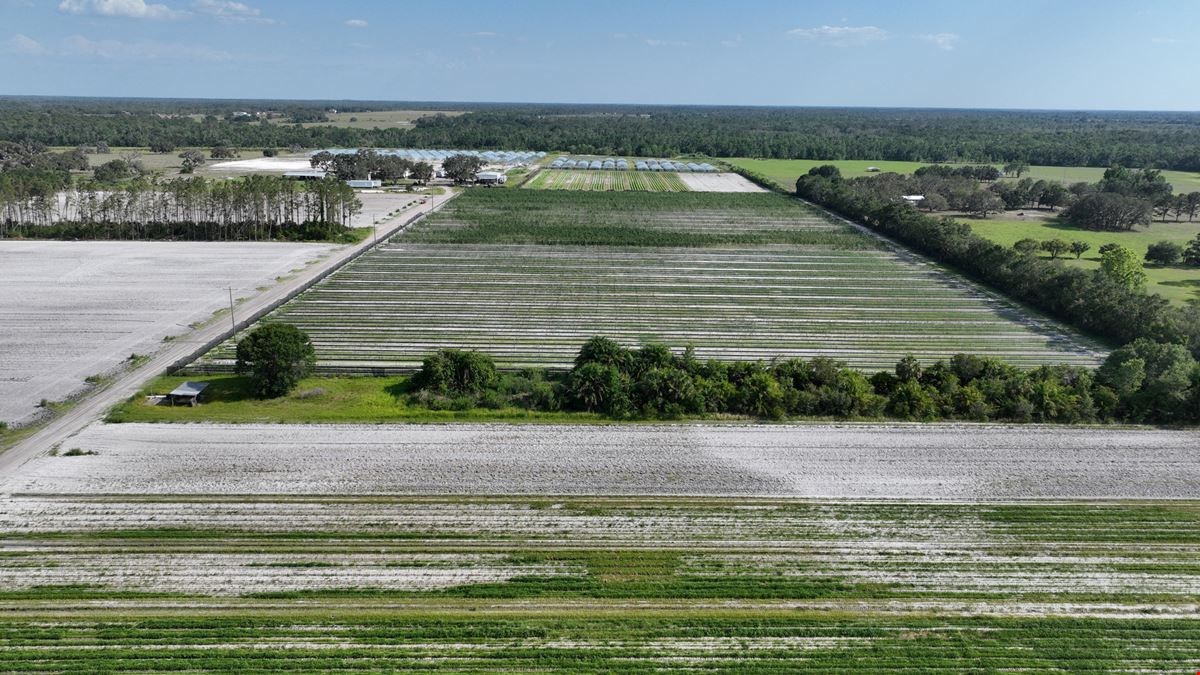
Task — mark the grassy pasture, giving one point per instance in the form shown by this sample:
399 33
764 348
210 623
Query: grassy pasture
167 163
265 584
317 400
784 172
382 119
1178 283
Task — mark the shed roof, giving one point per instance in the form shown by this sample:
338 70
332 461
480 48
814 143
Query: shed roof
189 389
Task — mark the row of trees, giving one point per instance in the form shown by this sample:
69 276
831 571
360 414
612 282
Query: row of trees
367 163
40 204
1091 300
1142 382
1166 140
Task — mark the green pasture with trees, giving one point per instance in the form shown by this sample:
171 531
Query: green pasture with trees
785 172
1142 382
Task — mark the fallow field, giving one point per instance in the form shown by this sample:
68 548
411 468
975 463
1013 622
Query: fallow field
76 310
529 275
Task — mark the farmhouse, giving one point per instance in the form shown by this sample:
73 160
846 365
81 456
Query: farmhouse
187 393
491 178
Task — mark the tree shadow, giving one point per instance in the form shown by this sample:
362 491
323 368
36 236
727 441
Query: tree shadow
401 389
1191 284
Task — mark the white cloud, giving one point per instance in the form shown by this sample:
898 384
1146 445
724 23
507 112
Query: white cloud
735 42
946 41
482 34
840 36
116 50
230 12
356 23
653 42
132 9
23 44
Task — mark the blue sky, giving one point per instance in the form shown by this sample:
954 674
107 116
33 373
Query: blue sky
1074 54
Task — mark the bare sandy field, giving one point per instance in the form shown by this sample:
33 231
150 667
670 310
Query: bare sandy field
718 182
952 462
377 206
262 164
75 309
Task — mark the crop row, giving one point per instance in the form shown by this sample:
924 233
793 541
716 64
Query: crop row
530 305
553 179
118 583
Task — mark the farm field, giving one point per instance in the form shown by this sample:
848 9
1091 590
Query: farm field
528 276
126 582
168 163
1178 284
876 461
382 119
643 181
784 172
72 310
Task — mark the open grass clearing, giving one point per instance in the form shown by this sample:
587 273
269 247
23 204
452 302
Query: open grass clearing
1178 283
229 398
381 119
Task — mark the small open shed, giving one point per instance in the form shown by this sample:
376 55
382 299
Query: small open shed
187 393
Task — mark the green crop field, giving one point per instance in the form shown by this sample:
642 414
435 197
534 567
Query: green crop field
339 584
1177 283
784 172
642 181
529 275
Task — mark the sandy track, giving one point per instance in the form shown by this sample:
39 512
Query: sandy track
970 463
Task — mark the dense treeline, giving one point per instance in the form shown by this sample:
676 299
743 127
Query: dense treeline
1142 382
45 204
1091 300
1134 139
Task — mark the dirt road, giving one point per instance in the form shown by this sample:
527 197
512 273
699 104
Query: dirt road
96 403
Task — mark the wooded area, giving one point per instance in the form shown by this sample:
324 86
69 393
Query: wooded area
1167 140
43 204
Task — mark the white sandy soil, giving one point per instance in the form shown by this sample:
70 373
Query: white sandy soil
942 462
75 309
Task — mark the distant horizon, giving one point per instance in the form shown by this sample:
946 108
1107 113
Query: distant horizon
465 103
1056 55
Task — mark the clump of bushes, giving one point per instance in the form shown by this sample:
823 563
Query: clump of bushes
1142 382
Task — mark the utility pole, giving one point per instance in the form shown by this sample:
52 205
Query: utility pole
232 321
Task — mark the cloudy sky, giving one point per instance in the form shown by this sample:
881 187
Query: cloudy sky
1094 54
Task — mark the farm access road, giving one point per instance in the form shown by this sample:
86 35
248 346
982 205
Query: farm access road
94 404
